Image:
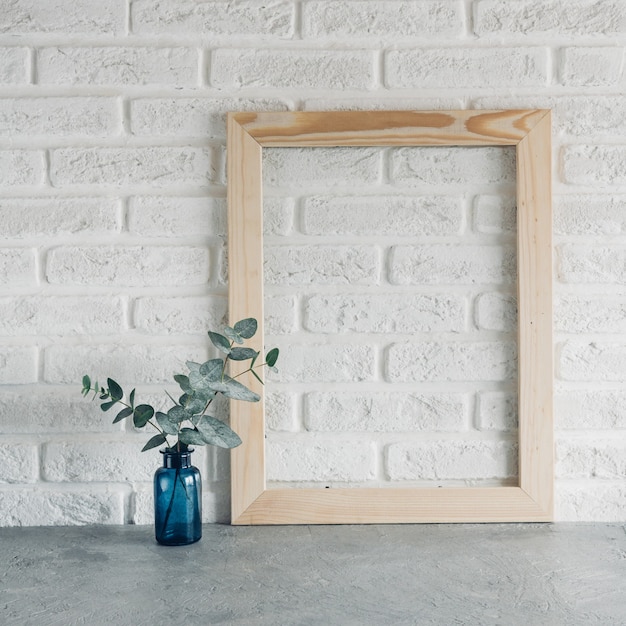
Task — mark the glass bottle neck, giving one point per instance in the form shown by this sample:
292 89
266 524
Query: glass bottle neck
176 460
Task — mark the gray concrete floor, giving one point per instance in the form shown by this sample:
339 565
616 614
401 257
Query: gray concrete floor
529 574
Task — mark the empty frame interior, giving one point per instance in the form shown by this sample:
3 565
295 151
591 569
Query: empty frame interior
527 130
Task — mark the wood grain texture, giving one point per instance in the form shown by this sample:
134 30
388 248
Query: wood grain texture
529 131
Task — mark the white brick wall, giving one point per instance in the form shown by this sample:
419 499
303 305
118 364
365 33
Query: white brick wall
390 273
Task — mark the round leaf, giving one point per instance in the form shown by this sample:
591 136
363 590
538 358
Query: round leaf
272 357
216 433
242 354
220 342
155 441
191 436
142 414
246 328
123 414
178 414
213 369
115 391
233 335
166 424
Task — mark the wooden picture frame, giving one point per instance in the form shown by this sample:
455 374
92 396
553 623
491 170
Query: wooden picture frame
530 132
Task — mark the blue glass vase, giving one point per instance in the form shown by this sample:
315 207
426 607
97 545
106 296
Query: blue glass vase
177 500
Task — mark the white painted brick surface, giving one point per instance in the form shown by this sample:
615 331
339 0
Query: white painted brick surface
46 217
445 460
119 167
14 65
292 69
390 19
385 412
95 17
452 265
402 313
398 216
454 361
128 265
20 463
583 17
48 505
462 68
317 460
390 272
113 65
273 18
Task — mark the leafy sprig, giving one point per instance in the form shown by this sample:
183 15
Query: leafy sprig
187 421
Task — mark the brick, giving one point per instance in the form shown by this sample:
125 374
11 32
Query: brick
129 365
588 264
414 167
274 18
496 311
18 267
597 458
454 68
192 117
293 69
590 215
61 315
323 265
278 216
280 315
590 66
452 265
97 17
179 315
18 365
59 117
427 19
280 411
451 361
497 410
14 65
595 314
310 167
385 313
315 459
20 463
592 361
49 217
118 167
528 17
113 65
128 266
388 215
166 216
40 411
53 505
451 460
494 214
592 409
20 168
325 363
592 501
385 412
99 461
601 166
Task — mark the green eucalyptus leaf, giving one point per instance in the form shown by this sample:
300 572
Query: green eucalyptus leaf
257 377
115 391
193 366
166 424
220 342
86 384
243 354
183 381
154 442
192 405
216 433
235 390
178 414
123 414
213 369
246 328
142 414
105 406
191 436
271 357
132 399
233 335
